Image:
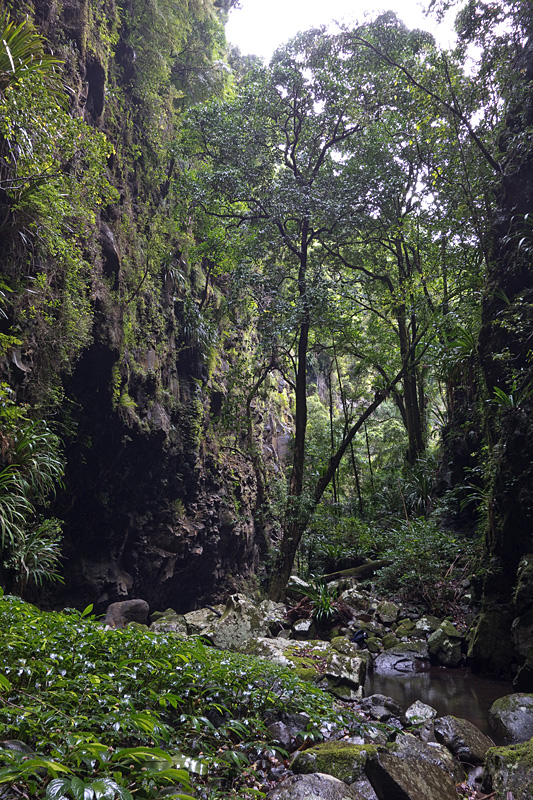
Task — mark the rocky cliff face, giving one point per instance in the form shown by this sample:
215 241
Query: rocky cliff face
156 504
505 350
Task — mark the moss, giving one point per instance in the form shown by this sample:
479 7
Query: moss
343 760
513 754
509 771
306 673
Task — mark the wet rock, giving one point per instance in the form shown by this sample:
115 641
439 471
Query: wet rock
418 713
397 777
444 645
511 717
381 708
402 658
343 760
409 746
463 738
169 621
314 787
118 615
509 771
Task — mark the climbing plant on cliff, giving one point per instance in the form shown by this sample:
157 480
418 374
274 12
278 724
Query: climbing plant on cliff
51 168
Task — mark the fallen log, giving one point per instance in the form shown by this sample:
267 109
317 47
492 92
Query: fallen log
362 571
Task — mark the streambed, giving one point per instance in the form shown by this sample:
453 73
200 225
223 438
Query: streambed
450 691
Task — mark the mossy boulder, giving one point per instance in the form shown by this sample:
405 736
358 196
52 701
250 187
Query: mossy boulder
509 771
511 717
313 787
445 645
393 775
387 612
343 760
169 621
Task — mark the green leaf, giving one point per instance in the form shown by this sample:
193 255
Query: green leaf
4 683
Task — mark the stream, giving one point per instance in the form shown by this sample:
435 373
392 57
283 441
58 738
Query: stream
450 691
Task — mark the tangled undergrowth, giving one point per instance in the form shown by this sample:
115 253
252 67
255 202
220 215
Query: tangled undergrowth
87 712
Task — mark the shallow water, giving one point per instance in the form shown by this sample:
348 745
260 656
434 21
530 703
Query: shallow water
449 691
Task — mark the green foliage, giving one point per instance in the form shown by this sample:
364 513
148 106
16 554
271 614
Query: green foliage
29 547
53 174
422 556
322 600
132 713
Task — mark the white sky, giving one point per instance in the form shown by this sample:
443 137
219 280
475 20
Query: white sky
260 26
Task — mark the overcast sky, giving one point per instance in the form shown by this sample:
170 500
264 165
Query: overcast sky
260 26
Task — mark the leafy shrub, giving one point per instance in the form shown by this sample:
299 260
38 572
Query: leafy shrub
421 559
133 712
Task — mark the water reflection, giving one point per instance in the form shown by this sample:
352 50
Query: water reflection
449 691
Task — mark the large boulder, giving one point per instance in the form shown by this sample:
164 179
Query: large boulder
409 746
241 620
314 787
396 776
511 717
463 738
403 658
509 771
343 760
118 615
522 627
444 645
343 674
169 621
200 620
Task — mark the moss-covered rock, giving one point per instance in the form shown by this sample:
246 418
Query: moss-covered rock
343 760
509 771
511 717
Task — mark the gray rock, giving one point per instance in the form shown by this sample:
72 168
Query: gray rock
511 717
387 612
169 621
409 746
317 661
509 772
419 713
404 657
395 777
199 621
427 624
118 615
463 738
314 787
302 629
241 621
381 708
364 787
